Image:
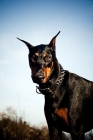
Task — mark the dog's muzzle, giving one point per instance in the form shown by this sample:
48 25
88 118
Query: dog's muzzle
39 76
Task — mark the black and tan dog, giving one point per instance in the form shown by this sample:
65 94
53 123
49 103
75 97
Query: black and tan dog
68 97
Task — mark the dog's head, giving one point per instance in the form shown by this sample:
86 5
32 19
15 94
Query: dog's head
41 60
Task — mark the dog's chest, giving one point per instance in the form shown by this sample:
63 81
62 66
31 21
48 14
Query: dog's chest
63 114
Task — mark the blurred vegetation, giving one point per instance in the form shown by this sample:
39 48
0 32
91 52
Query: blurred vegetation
13 127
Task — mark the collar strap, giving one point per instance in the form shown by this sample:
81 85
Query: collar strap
42 91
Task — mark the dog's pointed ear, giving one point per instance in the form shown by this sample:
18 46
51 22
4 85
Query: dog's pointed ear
28 44
53 42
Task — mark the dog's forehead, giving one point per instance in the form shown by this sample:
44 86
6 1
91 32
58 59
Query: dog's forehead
40 49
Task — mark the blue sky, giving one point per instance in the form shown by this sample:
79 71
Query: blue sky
37 21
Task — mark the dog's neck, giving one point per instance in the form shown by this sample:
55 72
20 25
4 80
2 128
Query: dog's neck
56 78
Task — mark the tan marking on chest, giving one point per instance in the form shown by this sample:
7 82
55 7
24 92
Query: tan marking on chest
63 114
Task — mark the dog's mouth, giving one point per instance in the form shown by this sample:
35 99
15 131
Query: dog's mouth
39 79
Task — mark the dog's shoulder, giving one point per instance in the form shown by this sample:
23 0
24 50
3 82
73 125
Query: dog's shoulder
75 82
78 79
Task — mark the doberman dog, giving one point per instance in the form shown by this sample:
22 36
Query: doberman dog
68 97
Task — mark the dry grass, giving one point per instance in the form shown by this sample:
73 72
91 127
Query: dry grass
14 128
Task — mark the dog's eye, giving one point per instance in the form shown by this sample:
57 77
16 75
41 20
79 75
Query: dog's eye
34 58
47 58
